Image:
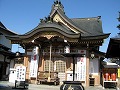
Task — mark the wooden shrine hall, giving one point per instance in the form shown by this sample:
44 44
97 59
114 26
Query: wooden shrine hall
57 34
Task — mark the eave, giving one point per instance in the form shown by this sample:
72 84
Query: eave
7 53
102 36
6 31
4 47
41 31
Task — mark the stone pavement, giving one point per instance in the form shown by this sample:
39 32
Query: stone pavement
5 85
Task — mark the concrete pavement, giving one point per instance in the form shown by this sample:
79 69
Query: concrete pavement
5 85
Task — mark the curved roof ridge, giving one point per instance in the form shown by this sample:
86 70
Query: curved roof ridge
52 25
98 17
6 29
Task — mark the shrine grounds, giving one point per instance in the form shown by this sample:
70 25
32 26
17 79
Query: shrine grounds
5 85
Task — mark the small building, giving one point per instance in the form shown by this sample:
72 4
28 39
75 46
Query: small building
109 75
6 56
57 34
113 51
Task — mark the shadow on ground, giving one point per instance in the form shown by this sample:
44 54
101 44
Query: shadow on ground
7 87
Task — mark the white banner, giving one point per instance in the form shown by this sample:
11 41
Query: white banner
34 62
81 67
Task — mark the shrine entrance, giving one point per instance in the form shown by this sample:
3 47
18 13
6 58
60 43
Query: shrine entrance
57 34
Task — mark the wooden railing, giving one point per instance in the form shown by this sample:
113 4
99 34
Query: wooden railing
46 76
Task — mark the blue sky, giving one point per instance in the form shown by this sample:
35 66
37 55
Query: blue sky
21 16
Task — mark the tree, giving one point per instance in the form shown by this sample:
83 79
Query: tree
118 21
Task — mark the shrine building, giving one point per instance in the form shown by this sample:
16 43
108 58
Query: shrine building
58 34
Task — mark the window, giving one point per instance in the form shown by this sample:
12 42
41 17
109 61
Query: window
56 64
60 66
46 65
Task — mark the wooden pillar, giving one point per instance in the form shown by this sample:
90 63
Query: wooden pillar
41 63
26 64
87 68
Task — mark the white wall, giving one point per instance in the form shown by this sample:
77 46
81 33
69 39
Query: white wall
94 66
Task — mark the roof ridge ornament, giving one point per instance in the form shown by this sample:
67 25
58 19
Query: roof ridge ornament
57 3
47 19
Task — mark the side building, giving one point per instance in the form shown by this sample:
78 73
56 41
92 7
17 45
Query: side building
58 34
6 56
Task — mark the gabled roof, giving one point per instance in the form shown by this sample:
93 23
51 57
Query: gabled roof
85 26
58 9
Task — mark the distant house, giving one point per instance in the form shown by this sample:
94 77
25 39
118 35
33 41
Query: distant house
6 56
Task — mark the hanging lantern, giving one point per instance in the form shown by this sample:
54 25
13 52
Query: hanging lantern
17 53
92 55
113 76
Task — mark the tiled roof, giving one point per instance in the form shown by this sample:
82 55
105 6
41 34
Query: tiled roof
113 50
2 26
57 27
87 26
93 26
51 25
5 31
4 47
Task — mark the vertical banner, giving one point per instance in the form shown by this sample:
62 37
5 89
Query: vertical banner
81 67
34 62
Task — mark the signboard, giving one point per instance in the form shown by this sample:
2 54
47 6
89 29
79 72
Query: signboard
34 62
67 49
81 67
21 73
